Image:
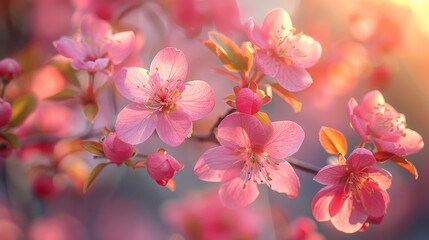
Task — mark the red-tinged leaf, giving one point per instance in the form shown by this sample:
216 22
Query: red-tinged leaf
106 131
21 108
130 164
248 53
333 141
93 147
91 111
140 164
383 156
12 139
64 94
262 117
286 96
93 175
407 165
228 75
171 185
341 159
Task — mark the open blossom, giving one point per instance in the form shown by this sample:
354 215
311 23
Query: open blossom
116 150
251 154
282 54
355 192
378 122
162 100
5 112
95 48
162 166
9 69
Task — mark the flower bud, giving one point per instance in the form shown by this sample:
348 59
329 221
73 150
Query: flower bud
116 150
5 112
162 166
9 69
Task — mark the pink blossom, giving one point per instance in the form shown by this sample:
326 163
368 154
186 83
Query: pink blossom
304 228
355 192
251 154
162 100
5 112
378 122
248 101
9 69
95 48
282 54
116 150
162 166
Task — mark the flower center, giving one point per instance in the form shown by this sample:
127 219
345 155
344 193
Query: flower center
386 123
165 98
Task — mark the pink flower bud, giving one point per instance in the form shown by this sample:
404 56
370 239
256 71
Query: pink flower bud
44 187
5 112
162 166
116 150
9 69
248 101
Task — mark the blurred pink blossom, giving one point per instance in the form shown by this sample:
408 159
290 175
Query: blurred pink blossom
251 154
161 167
282 54
116 150
9 69
162 100
355 192
95 48
304 228
378 122
5 112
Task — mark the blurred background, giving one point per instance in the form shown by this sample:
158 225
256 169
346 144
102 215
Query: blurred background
366 45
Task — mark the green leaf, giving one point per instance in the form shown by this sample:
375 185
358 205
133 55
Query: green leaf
91 111
64 94
93 175
21 108
12 139
93 147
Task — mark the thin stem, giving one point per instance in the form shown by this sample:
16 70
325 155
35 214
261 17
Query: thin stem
306 167
361 144
90 89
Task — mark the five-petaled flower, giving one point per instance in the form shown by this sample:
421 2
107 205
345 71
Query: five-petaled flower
251 154
355 192
282 54
162 100
95 48
378 122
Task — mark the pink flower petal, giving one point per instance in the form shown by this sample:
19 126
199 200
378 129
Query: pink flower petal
283 138
372 99
331 174
310 51
361 158
351 106
266 63
248 101
284 180
171 65
197 99
94 29
293 77
348 220
360 126
320 205
373 200
240 130
382 177
173 127
70 48
232 193
255 34
91 66
412 142
214 163
134 84
135 124
389 146
277 24
121 46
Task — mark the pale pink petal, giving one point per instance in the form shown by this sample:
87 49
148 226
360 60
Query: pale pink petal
284 179
331 174
361 158
293 77
234 194
348 220
69 48
134 84
360 126
197 99
309 51
320 205
94 29
266 63
255 34
95 66
371 100
213 164
389 146
171 65
248 101
382 177
240 130
283 138
135 124
121 46
351 106
276 25
173 127
373 200
412 142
